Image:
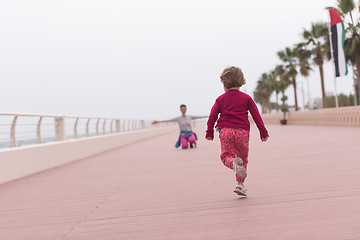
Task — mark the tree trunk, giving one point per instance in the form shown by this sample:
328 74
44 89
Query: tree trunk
277 102
283 103
295 94
262 107
355 77
321 70
357 60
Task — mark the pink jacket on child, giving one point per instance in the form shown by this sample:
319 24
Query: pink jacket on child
233 107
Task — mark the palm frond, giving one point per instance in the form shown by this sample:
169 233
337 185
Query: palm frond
346 6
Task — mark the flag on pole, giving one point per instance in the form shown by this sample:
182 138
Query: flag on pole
337 41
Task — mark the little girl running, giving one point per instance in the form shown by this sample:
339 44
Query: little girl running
233 125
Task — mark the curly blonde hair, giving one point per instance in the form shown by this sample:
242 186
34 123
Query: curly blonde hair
232 77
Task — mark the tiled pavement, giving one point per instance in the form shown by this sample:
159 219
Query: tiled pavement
303 184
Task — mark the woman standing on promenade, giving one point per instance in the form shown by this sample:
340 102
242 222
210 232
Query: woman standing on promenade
233 125
186 134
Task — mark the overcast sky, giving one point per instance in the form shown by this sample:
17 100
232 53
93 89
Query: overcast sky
142 59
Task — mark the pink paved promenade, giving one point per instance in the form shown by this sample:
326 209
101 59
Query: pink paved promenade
303 184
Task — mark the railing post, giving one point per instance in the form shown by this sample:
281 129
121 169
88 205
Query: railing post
60 128
117 123
104 130
111 125
87 127
38 131
124 125
97 127
12 132
75 128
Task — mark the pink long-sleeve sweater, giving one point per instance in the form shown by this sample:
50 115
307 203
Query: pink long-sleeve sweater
233 107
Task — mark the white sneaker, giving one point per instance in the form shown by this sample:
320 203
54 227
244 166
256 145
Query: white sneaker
239 168
240 190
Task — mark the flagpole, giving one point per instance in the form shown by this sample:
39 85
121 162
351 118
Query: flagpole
333 63
336 96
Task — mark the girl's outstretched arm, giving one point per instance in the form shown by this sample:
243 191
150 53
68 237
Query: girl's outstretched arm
197 117
163 121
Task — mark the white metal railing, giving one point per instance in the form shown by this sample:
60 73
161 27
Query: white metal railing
22 129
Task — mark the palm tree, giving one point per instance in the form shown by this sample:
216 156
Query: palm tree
260 98
303 56
352 41
318 39
275 87
263 92
282 84
290 59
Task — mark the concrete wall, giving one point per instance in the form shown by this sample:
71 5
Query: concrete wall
23 161
344 116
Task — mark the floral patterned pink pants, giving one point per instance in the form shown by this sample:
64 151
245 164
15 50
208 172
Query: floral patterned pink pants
234 143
